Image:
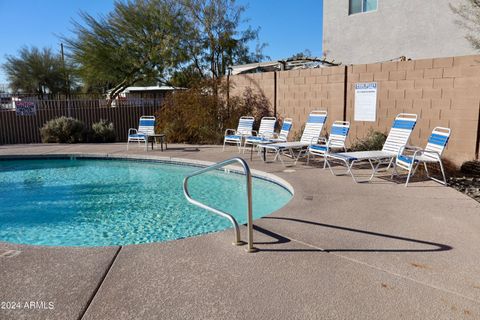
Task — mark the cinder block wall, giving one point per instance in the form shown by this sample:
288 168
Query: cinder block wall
442 92
299 92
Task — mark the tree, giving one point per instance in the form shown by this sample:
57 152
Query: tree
470 14
36 71
301 55
139 41
215 40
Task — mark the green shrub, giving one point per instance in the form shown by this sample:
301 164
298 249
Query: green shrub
102 131
198 115
373 141
62 130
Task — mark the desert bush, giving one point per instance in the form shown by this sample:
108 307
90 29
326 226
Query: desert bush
199 115
102 131
62 130
471 167
373 141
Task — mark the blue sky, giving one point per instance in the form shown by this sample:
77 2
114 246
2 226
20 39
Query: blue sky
286 26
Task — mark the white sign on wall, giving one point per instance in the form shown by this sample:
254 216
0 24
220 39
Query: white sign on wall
366 101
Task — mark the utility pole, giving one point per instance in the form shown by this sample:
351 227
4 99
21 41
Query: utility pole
67 81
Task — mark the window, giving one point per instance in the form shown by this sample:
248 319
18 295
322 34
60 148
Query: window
357 6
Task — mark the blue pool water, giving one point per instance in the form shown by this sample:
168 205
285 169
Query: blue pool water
94 202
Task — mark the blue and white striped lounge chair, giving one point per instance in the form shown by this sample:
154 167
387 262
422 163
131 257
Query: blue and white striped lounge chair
232 136
398 137
310 135
431 154
336 141
146 126
282 136
265 132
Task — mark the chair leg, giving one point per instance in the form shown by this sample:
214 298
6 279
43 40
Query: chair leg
308 157
415 169
350 167
443 172
324 161
409 175
426 169
128 141
389 164
298 156
280 156
374 168
223 145
277 154
394 171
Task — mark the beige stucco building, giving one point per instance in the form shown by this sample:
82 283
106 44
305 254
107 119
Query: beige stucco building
366 31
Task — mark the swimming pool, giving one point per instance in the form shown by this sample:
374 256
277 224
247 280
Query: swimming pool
99 202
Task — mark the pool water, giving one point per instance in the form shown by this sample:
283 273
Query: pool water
94 202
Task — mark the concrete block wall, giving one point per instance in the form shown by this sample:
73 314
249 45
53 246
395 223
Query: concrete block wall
301 91
262 83
298 92
441 91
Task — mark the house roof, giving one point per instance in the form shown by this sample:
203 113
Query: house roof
288 64
149 88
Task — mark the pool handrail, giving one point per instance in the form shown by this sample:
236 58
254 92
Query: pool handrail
248 175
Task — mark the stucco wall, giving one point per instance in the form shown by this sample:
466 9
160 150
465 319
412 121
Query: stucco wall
414 28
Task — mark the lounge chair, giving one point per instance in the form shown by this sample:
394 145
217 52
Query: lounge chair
310 135
431 154
245 128
146 126
265 132
282 136
336 141
398 137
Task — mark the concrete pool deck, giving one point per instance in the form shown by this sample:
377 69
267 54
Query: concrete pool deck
337 250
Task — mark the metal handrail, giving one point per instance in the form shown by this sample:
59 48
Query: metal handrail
248 175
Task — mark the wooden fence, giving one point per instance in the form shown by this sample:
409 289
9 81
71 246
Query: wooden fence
26 129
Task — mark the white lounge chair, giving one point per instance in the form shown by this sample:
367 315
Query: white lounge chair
232 136
146 126
398 137
265 132
336 141
310 135
431 154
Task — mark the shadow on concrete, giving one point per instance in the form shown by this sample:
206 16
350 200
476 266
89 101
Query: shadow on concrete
281 239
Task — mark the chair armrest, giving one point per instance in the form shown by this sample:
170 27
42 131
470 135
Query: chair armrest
408 147
420 152
132 130
230 130
268 134
329 142
402 149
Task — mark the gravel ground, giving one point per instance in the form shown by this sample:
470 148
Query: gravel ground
468 185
